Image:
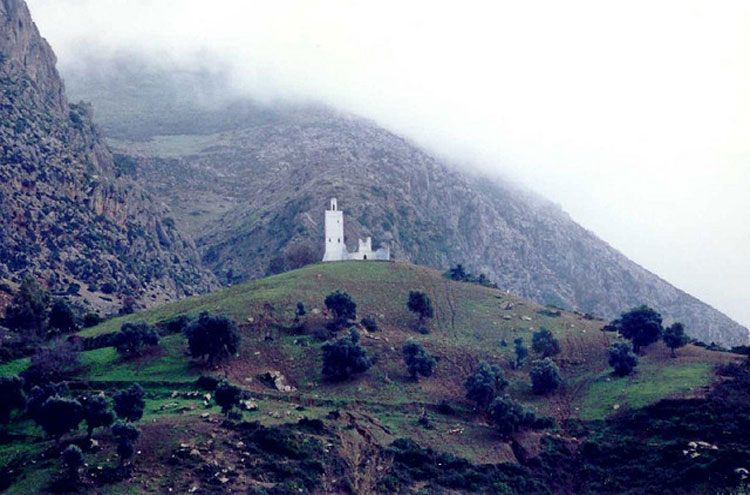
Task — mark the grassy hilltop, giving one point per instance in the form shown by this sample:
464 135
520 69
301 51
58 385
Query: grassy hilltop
470 325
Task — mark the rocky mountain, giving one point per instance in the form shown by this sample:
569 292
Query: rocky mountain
67 213
252 190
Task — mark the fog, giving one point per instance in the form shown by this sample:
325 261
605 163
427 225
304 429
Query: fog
633 116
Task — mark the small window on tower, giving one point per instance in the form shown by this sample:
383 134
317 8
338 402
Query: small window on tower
329 239
339 240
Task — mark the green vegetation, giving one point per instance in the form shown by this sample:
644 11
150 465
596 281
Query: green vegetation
335 420
622 358
545 376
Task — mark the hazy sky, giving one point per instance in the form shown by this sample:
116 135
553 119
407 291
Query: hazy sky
633 116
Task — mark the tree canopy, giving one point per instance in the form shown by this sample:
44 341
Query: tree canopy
509 416
130 402
484 384
418 361
12 396
544 343
133 337
674 337
421 304
212 338
344 357
545 376
641 325
341 305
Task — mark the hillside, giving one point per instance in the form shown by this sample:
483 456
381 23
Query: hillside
249 183
67 213
185 443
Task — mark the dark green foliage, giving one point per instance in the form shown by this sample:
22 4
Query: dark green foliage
421 304
418 361
544 343
459 274
207 382
178 324
28 310
674 337
129 403
370 324
486 383
344 357
126 435
509 416
59 415
295 461
342 306
133 337
521 351
301 311
227 396
97 413
414 465
622 358
641 325
213 338
62 317
53 363
91 320
545 376
40 393
12 396
293 258
72 460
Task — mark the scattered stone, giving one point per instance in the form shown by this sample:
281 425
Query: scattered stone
205 415
526 318
195 453
248 405
616 407
507 317
276 380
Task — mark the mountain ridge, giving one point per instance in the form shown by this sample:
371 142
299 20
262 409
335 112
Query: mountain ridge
69 216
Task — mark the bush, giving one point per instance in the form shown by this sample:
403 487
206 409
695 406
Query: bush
178 324
227 396
97 413
129 403
521 352
62 317
27 311
544 343
126 435
545 376
417 360
59 415
132 337
485 384
12 396
370 324
40 393
342 306
509 415
344 358
622 358
91 319
674 337
421 304
207 382
72 459
212 338
53 364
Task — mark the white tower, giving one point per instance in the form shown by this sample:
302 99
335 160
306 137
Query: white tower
335 247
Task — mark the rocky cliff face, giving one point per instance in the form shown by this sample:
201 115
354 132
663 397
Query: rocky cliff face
66 213
250 183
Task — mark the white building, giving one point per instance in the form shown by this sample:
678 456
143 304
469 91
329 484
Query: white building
335 245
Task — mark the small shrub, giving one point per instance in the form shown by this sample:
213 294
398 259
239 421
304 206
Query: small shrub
59 415
622 358
12 396
342 306
509 415
344 358
421 304
133 337
369 323
674 337
126 435
418 361
130 403
227 396
484 384
544 343
545 376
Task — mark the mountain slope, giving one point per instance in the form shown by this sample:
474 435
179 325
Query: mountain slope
67 214
258 189
186 442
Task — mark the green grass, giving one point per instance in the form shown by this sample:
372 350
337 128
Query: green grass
14 367
651 383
